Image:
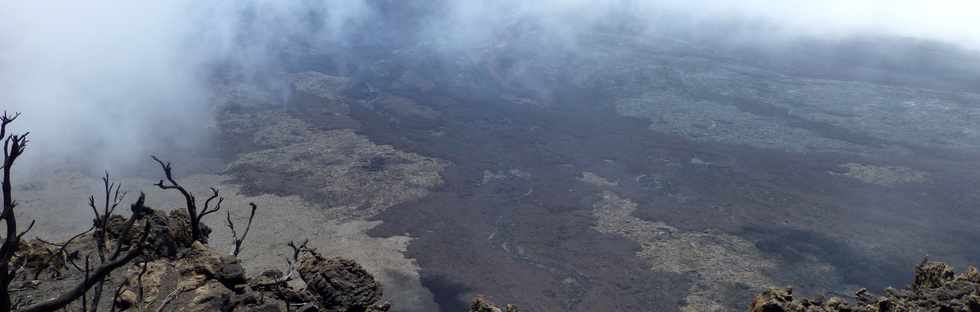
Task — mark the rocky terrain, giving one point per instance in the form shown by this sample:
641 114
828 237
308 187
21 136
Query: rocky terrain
624 173
177 273
936 287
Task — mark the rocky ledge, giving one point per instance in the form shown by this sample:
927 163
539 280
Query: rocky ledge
177 273
936 288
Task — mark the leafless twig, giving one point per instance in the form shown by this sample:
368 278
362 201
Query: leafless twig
234 234
170 297
169 183
112 198
290 264
115 296
100 272
29 227
139 282
62 251
84 297
13 147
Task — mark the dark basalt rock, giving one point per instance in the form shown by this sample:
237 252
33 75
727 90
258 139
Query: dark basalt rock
482 304
340 284
169 233
936 288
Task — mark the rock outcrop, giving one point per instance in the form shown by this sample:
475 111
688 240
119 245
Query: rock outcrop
177 273
169 232
482 304
936 288
340 284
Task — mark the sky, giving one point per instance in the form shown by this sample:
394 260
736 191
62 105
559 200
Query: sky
104 80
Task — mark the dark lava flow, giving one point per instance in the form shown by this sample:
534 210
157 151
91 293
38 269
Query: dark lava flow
528 240
525 237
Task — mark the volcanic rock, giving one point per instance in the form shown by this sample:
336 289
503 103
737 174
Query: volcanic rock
935 288
340 284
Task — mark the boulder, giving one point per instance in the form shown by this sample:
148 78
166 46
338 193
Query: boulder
340 284
932 274
772 300
482 304
168 234
936 287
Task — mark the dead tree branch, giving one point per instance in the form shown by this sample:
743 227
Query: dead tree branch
170 297
169 183
234 234
290 264
87 271
115 296
62 251
13 147
112 198
139 282
98 274
208 209
29 227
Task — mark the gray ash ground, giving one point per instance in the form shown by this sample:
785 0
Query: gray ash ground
817 198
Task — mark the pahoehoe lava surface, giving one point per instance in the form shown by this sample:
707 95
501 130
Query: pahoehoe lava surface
523 237
526 238
515 215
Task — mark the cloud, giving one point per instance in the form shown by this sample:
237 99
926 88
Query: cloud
944 20
107 79
100 79
109 82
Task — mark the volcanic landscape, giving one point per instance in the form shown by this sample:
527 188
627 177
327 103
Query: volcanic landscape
648 174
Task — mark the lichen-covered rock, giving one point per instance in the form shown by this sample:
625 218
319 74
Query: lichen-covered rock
340 284
772 300
179 226
150 280
200 278
38 257
482 304
971 275
212 296
931 274
936 288
168 233
202 263
210 278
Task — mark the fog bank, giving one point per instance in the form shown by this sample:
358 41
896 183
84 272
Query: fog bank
109 82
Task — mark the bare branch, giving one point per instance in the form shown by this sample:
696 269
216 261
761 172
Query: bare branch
5 120
207 204
29 227
139 210
214 194
139 282
195 216
169 175
231 225
112 199
214 209
115 296
84 297
62 251
98 274
170 297
290 264
13 147
298 249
